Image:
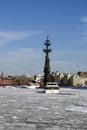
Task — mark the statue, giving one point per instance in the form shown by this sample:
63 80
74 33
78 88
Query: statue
50 86
47 61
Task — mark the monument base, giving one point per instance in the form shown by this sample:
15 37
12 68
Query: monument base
52 87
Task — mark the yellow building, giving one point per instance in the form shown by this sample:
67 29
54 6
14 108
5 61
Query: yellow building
59 77
76 80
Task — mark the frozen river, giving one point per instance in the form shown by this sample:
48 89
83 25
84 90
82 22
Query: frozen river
31 109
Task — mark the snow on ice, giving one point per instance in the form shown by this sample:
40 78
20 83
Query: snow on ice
31 109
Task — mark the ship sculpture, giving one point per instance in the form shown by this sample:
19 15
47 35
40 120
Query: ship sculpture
49 85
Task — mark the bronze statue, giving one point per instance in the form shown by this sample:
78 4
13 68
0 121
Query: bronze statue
47 61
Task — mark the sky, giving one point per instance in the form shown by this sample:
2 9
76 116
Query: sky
24 26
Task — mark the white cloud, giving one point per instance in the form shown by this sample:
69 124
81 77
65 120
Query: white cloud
23 54
24 60
84 32
84 19
63 62
6 37
84 39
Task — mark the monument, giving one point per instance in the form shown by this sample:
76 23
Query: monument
49 85
47 61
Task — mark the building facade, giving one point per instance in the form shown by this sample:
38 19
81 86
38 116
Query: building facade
77 80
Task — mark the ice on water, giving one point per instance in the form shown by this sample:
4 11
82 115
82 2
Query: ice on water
31 109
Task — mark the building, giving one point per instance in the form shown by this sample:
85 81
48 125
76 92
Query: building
81 74
39 78
59 78
66 79
77 80
6 81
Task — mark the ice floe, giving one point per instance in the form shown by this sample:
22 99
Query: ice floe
77 109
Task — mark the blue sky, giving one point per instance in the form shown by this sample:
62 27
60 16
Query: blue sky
24 26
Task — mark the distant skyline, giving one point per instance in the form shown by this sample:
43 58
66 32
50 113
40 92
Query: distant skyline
24 26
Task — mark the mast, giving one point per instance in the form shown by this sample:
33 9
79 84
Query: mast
47 61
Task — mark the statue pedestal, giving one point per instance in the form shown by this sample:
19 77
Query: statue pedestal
52 87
